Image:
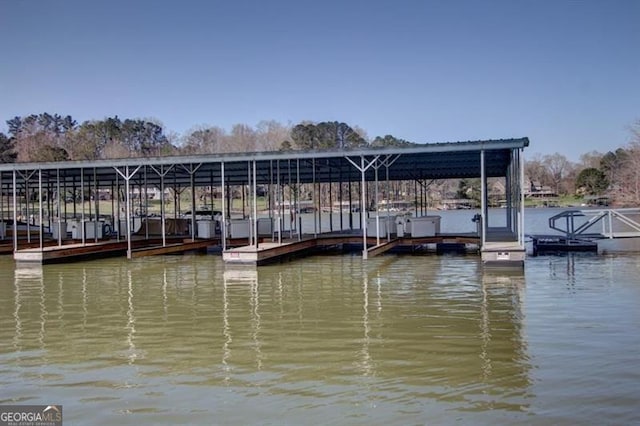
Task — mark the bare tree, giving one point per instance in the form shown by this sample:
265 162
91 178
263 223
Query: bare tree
537 171
626 189
242 139
204 140
590 160
559 169
271 134
116 149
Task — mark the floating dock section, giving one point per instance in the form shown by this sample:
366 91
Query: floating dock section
83 251
269 252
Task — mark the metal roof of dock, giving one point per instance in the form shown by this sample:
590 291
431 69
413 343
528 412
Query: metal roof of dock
420 161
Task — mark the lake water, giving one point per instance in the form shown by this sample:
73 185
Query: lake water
396 339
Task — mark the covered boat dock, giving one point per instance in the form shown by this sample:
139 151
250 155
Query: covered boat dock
36 216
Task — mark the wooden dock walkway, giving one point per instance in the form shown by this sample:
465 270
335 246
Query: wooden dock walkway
72 251
237 251
173 248
268 252
382 247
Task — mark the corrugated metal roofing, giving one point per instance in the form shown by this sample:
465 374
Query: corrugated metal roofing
424 161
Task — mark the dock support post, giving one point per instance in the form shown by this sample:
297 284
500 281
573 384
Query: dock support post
127 177
223 224
483 203
162 209
363 197
28 206
128 210
520 188
375 196
315 204
255 204
144 208
15 213
193 206
296 197
82 227
162 173
58 207
192 171
363 208
350 208
40 215
279 202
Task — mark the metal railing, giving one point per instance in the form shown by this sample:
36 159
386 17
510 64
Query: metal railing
615 223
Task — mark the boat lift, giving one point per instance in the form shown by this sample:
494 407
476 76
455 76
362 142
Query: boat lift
578 231
615 223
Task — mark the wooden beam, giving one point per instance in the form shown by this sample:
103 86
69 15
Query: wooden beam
382 248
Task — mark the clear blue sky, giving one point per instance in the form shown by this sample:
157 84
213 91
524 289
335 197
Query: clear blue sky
563 73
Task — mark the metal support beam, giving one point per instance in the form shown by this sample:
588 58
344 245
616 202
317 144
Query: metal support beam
363 167
82 227
521 189
127 175
40 215
162 173
15 213
223 224
255 204
191 170
483 207
59 218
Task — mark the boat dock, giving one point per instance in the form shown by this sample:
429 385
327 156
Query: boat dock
60 201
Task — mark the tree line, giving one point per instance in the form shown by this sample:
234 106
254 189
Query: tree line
52 137
615 174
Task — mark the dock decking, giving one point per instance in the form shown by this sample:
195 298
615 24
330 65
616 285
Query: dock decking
238 249
268 252
173 248
71 251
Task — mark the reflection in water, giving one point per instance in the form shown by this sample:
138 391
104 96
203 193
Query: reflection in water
60 300
28 285
245 282
16 313
165 304
131 322
43 313
330 339
485 335
226 331
255 321
365 361
85 311
495 284
414 329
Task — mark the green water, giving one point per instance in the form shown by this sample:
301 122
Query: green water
324 340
